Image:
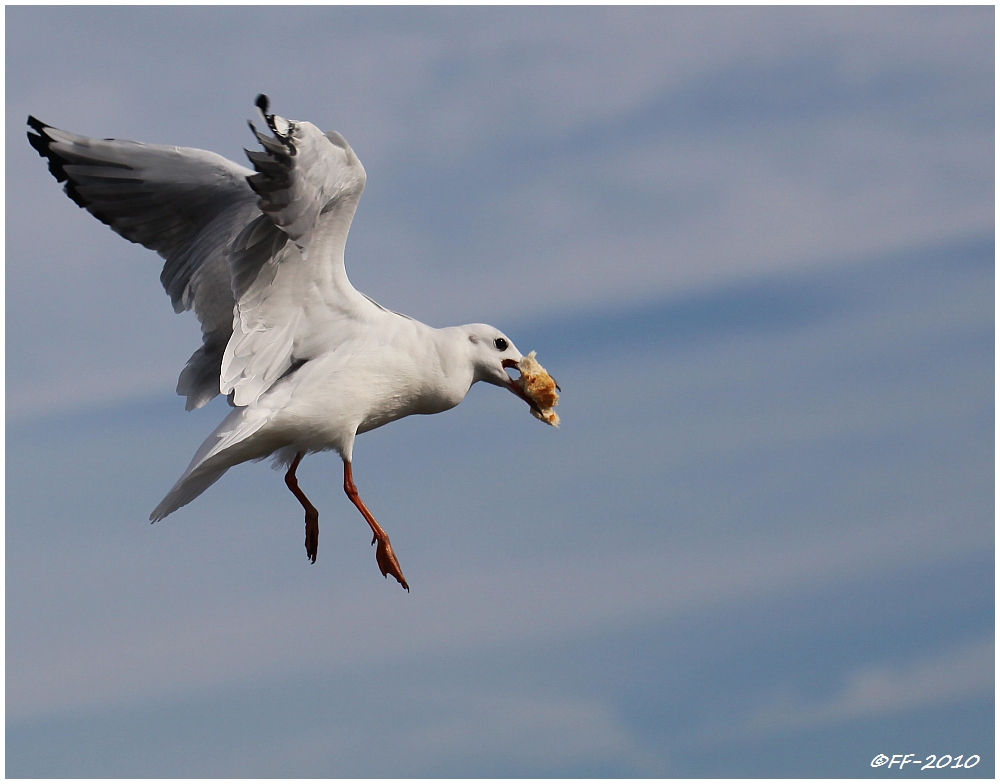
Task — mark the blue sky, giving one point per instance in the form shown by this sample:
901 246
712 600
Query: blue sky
756 249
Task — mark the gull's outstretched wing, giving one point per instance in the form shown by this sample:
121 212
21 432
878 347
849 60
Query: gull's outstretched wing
293 298
187 205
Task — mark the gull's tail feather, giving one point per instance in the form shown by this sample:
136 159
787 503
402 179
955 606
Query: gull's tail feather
230 444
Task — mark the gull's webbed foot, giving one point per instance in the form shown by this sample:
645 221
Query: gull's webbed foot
387 562
312 534
312 515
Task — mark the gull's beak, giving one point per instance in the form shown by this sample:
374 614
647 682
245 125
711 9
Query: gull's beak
514 387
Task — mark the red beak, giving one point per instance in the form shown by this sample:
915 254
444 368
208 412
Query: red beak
516 388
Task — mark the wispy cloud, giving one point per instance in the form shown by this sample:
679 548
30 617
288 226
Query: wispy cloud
235 640
877 690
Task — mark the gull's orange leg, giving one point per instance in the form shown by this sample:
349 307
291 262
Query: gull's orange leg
312 515
384 554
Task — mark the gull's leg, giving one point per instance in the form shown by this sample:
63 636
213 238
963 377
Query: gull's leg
312 515
384 554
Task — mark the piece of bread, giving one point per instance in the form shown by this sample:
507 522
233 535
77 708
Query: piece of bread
540 389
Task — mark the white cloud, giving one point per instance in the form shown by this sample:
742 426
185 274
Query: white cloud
540 733
117 659
477 730
878 690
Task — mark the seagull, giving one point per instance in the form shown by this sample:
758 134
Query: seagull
306 360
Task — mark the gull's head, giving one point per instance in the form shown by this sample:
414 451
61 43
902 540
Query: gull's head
493 353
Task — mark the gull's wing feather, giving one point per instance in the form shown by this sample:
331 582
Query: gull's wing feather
187 205
293 298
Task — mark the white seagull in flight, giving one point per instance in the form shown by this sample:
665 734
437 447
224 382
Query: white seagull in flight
307 361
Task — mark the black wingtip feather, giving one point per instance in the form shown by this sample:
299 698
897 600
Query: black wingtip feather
42 143
39 143
262 103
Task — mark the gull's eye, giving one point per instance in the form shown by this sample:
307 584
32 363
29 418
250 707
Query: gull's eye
501 344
